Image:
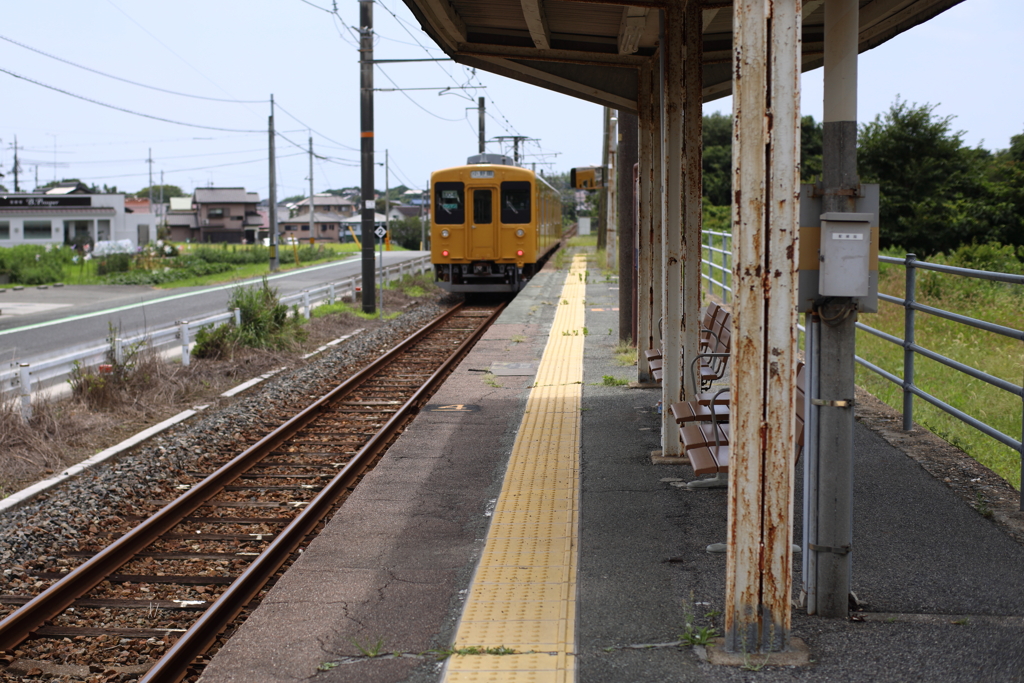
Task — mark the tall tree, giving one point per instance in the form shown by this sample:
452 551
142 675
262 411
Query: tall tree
935 192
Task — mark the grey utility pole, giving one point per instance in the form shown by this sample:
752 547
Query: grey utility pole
628 154
480 117
602 218
275 262
312 206
150 160
366 138
832 551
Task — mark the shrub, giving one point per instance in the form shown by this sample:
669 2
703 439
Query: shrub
114 263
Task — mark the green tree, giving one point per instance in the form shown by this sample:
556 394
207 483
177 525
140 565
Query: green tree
936 193
717 161
169 191
407 232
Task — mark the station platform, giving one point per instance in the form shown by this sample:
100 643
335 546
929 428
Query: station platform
518 531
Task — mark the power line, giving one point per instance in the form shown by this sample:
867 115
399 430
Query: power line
310 128
167 47
126 111
408 97
197 168
125 80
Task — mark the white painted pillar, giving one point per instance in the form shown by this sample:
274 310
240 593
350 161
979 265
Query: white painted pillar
766 118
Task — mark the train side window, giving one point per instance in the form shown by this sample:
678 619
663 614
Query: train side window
450 203
482 207
515 202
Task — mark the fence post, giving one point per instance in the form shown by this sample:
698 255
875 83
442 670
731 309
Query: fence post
908 340
305 303
119 351
238 316
25 377
330 294
183 332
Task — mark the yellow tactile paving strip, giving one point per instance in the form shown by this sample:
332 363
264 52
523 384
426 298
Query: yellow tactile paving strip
523 595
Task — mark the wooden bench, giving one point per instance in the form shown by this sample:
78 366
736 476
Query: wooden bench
706 442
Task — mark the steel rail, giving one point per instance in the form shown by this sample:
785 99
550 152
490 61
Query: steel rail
18 625
174 665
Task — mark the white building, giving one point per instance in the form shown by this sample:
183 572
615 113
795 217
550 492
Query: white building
65 218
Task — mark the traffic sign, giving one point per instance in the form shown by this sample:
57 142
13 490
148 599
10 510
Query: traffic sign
380 232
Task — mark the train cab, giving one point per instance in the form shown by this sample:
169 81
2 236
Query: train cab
491 225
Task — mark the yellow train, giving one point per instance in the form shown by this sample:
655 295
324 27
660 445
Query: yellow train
492 225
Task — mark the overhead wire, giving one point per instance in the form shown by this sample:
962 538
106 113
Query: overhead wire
197 168
125 80
127 111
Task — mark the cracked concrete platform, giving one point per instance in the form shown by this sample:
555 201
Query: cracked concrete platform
943 585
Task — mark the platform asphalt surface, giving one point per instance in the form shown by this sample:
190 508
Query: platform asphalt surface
943 586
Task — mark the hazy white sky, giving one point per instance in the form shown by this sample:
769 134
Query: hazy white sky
964 60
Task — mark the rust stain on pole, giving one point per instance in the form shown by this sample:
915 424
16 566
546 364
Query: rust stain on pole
766 44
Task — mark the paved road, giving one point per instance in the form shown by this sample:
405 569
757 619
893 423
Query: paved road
44 322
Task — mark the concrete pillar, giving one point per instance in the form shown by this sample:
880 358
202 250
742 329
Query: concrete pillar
766 155
832 547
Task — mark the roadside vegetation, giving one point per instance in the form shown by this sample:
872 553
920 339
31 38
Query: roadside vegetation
114 400
160 264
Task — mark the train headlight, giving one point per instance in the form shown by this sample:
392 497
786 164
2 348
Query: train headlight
520 233
444 253
445 233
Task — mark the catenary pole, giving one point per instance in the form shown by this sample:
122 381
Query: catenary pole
366 138
480 114
275 262
312 205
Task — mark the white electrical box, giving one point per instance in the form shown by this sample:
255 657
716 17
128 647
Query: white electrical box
844 254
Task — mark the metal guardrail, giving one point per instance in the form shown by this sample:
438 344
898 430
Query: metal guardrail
34 374
908 344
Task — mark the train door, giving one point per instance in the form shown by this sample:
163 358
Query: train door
482 238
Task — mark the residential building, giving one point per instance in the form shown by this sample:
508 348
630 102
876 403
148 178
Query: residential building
71 215
227 214
327 203
399 212
327 227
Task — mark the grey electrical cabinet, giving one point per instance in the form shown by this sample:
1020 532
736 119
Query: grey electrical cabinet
845 254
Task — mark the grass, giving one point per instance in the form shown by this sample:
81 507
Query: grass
625 354
995 354
610 381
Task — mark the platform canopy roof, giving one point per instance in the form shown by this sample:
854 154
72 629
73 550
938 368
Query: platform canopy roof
592 49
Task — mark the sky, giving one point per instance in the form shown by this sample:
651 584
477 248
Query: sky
306 56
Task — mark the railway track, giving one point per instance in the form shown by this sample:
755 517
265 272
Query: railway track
148 605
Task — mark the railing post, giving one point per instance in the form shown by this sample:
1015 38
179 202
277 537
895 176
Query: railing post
908 340
119 351
183 332
238 316
727 266
330 294
305 304
25 377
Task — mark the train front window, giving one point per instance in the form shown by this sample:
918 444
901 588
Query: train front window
449 203
482 207
515 202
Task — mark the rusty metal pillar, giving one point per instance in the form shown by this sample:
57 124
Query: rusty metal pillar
655 195
693 143
626 238
645 313
831 550
766 159
672 221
